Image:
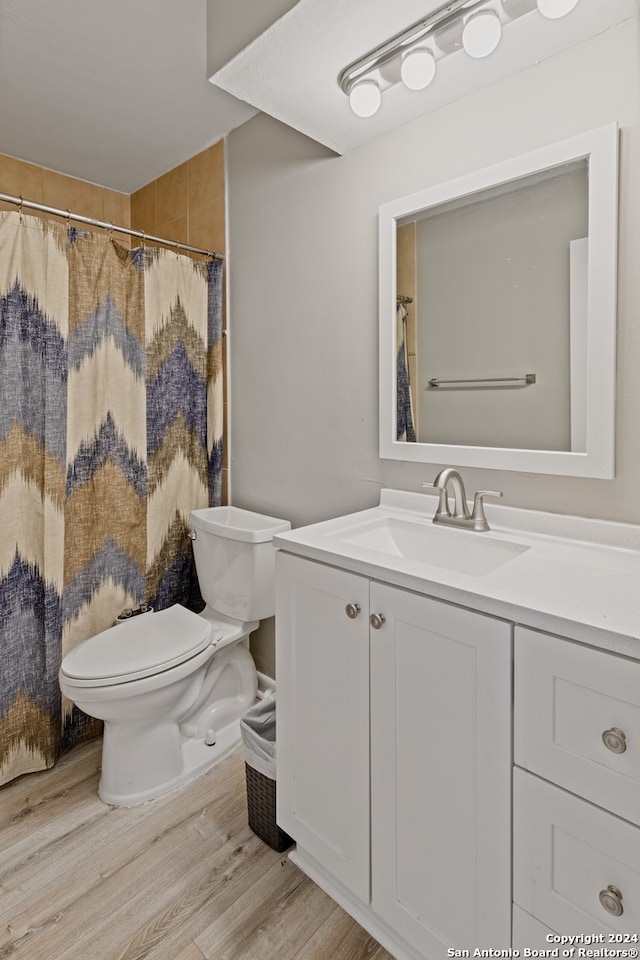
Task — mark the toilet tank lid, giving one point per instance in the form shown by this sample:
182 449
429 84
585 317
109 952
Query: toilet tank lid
234 523
136 647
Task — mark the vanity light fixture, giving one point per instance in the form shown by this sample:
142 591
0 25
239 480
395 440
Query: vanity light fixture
481 33
418 68
365 98
553 9
411 57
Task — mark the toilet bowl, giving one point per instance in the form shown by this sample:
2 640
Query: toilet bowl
171 686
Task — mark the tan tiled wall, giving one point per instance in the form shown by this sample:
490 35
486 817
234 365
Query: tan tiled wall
27 180
186 204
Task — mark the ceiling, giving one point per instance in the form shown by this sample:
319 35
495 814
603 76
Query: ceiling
110 91
115 91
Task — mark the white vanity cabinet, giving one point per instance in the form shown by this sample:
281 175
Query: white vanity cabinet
394 756
576 790
442 803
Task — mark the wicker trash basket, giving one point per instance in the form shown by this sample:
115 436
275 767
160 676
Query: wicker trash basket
258 728
261 806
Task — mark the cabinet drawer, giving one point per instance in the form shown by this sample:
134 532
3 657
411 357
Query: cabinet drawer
566 852
569 699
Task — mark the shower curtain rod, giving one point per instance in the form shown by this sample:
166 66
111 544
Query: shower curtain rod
104 225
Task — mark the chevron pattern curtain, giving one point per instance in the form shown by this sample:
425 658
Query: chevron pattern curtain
110 433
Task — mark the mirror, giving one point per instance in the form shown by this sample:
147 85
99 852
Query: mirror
497 315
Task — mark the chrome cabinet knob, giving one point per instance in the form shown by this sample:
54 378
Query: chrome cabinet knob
611 900
614 740
376 620
352 610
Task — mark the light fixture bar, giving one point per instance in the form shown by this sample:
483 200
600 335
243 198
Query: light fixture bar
390 49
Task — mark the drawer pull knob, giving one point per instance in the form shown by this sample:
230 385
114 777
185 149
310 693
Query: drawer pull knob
611 900
614 740
352 610
376 620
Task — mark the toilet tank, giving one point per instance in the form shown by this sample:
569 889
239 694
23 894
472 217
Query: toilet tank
235 560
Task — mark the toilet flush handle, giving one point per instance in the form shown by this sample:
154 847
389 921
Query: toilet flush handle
193 535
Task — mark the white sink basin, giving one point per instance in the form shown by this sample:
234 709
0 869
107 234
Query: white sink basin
571 576
463 551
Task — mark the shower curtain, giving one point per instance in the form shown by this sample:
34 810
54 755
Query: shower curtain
110 433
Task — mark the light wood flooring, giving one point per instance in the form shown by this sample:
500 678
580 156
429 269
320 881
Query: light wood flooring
180 878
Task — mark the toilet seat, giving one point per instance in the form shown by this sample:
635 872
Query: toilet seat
140 647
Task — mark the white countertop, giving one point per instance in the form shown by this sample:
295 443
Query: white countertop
577 578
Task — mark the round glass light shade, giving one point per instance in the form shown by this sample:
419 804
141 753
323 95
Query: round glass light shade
481 33
418 68
365 98
553 9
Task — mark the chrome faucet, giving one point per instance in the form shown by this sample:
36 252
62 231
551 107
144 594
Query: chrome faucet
460 517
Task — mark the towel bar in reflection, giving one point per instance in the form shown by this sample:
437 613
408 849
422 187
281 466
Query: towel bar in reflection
525 381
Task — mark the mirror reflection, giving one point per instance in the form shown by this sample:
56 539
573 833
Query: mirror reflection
498 314
491 325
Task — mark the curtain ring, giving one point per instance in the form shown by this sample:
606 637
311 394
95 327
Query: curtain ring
143 238
111 232
177 249
20 207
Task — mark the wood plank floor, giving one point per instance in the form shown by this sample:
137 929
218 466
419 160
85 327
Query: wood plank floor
181 878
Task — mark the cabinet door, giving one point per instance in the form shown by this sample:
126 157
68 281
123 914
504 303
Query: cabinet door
441 773
322 670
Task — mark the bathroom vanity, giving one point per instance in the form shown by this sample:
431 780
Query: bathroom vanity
459 725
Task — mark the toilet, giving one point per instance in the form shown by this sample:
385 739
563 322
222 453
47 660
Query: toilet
171 686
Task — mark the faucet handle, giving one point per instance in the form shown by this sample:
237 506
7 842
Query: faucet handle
478 517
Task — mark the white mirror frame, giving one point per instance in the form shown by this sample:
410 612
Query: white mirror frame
600 147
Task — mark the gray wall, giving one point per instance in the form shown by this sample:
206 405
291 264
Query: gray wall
303 276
